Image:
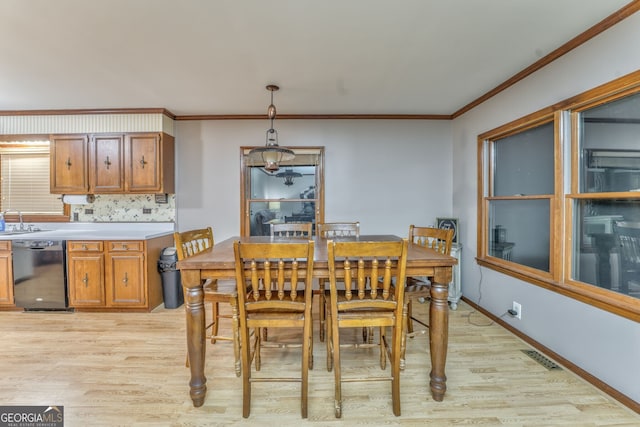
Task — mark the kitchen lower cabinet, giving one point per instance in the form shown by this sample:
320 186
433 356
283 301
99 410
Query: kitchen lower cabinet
125 282
115 275
85 274
6 275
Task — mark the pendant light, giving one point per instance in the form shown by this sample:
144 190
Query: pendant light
288 176
271 154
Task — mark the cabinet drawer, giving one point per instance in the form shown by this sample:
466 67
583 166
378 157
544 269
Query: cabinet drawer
5 245
85 246
126 246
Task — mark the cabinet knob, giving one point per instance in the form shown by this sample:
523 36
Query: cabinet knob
143 162
84 247
85 280
126 279
68 163
107 162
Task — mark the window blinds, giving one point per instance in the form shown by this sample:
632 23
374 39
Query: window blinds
25 184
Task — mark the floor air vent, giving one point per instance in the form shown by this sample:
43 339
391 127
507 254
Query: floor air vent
541 359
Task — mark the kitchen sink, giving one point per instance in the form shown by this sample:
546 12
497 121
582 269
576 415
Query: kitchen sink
13 232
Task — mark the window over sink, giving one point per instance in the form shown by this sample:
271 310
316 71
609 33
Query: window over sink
24 171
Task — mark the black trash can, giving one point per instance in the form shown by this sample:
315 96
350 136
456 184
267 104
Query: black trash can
171 284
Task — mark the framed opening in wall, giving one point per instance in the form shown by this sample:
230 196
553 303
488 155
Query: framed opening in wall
293 193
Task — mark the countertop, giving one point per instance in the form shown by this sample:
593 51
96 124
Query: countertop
90 231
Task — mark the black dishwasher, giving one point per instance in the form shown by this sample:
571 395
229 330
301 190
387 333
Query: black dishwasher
39 274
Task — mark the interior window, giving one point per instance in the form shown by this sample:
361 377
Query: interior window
293 193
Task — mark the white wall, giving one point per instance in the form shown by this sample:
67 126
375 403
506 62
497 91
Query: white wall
605 345
387 174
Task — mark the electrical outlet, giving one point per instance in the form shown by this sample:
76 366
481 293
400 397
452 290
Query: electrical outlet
518 309
146 210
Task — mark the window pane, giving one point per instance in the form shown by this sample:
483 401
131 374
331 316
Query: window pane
610 146
286 183
520 231
523 163
265 213
606 250
25 185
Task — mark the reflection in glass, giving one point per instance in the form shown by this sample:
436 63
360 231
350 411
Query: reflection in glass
520 231
285 196
609 147
523 163
604 246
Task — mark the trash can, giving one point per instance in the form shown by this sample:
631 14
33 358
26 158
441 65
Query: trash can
171 284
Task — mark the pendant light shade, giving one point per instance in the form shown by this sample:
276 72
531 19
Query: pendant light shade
288 176
271 155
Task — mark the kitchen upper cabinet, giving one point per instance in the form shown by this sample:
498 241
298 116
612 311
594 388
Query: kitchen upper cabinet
106 164
150 163
112 163
6 274
69 164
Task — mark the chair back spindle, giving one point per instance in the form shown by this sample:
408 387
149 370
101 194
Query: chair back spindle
292 229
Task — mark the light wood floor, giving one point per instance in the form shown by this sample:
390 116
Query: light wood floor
115 369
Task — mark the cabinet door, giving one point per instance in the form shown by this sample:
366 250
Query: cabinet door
107 160
6 275
85 277
144 163
125 279
69 164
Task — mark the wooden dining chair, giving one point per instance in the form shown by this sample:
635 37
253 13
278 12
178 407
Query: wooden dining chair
284 302
292 229
419 288
192 242
330 230
361 305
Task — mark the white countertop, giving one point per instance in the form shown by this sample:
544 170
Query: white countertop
91 231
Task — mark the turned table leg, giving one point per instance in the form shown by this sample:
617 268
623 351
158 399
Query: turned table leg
194 307
439 331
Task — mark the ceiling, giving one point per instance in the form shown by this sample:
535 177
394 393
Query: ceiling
215 57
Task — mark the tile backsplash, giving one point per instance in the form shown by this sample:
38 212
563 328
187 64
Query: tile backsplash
125 208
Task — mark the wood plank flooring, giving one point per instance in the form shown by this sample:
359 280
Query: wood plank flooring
117 369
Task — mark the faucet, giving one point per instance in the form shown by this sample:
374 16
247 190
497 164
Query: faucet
19 216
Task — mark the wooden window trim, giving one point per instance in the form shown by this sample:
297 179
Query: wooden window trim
11 218
245 201
559 280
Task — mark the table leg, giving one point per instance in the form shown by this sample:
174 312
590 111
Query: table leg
194 307
439 331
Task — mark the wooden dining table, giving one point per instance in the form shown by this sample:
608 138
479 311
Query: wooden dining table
218 262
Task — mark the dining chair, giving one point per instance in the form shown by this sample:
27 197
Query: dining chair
419 288
330 230
292 229
192 242
629 239
289 230
288 267
361 305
